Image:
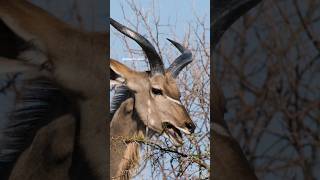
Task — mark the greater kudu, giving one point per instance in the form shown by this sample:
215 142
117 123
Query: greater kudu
59 129
229 161
145 100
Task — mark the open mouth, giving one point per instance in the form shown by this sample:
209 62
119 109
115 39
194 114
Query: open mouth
174 134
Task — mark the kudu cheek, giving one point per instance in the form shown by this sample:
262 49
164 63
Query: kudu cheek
154 125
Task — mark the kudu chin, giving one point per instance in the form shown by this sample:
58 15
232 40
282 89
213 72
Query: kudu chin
143 100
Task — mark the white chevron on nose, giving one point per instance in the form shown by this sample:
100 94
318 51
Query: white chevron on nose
174 100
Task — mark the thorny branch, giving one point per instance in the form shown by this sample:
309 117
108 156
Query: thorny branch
157 146
268 66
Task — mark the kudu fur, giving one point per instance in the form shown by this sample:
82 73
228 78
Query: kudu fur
58 130
145 100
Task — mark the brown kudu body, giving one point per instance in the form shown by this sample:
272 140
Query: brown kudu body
73 145
124 156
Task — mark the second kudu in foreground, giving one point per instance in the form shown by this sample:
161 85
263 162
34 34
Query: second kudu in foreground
145 100
58 131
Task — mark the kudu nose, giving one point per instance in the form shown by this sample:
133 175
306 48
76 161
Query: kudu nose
191 127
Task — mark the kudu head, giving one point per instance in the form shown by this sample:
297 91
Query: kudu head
157 97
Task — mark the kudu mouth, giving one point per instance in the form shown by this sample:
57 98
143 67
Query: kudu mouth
173 133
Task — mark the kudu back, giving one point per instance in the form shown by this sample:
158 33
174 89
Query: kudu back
47 138
145 100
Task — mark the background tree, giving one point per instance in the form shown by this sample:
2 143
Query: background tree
268 67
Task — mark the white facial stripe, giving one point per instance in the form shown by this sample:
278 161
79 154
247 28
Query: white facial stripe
184 130
174 100
149 107
220 130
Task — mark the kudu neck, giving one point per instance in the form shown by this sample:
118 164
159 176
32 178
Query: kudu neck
126 126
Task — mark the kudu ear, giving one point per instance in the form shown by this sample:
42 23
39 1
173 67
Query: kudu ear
27 32
120 73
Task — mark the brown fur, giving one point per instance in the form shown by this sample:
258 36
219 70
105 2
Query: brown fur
130 161
124 155
49 156
77 60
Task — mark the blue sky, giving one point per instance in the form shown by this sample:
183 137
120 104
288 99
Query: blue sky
178 14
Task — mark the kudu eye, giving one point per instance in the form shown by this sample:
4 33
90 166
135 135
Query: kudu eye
156 91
